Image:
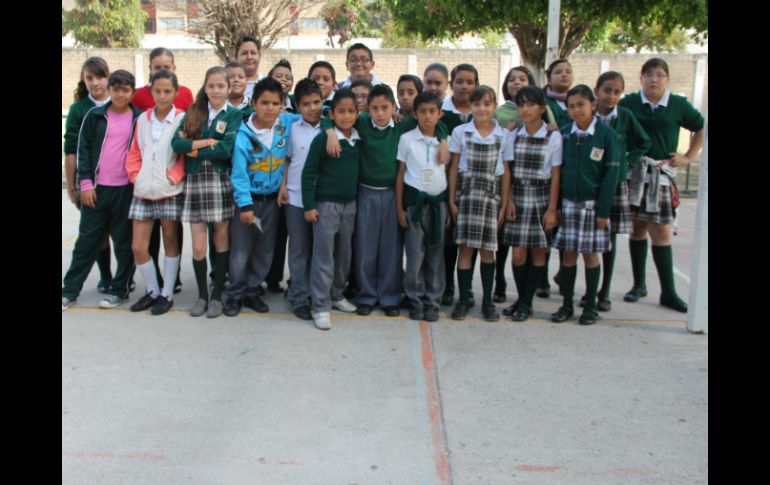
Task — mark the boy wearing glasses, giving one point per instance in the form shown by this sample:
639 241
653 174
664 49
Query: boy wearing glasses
360 63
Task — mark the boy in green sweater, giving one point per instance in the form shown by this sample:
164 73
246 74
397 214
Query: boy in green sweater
329 187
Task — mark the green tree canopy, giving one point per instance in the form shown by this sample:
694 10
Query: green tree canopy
105 23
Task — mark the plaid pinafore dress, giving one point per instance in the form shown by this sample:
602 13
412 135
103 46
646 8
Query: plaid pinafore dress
478 195
531 193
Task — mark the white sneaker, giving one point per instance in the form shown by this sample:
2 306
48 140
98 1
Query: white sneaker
344 306
112 301
322 320
66 303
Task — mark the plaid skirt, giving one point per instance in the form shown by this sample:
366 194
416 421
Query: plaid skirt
666 214
620 216
169 209
528 231
578 232
477 212
208 196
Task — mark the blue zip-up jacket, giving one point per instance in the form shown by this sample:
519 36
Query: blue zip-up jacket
257 170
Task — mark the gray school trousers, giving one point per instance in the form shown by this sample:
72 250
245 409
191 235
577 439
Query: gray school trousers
425 277
300 252
331 253
251 251
378 248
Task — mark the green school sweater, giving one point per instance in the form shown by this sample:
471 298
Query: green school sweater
224 128
75 116
633 141
562 117
329 179
379 148
509 113
583 178
452 120
662 125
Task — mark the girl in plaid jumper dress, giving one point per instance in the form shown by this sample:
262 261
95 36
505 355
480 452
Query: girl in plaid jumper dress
535 192
479 184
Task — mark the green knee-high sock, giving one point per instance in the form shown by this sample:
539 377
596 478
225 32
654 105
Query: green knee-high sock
464 277
222 263
608 262
592 284
199 267
500 258
568 275
487 281
638 250
103 262
664 262
534 275
520 278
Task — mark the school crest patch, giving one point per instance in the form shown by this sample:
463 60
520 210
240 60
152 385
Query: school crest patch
596 154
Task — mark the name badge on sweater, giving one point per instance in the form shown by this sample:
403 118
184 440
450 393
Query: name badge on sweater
596 154
221 125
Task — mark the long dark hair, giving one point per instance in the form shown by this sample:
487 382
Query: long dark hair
98 67
199 110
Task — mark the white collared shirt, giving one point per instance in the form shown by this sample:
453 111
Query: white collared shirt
214 112
589 131
302 135
553 151
449 106
611 116
418 152
159 125
390 124
663 101
265 135
243 104
99 103
457 144
354 136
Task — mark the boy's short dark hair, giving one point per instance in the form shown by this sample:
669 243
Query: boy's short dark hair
426 98
362 82
281 63
121 77
356 46
306 87
237 64
381 90
324 64
342 94
267 84
245 38
411 78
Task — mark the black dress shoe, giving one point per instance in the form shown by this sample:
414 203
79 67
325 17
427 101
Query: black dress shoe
674 302
145 302
634 294
522 313
448 298
391 311
589 317
256 304
510 309
490 313
543 292
162 305
232 307
364 309
416 314
431 314
303 312
274 288
563 314
460 310
604 305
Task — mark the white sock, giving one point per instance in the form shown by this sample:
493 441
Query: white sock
150 278
170 268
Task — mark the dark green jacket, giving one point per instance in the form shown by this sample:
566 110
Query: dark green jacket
584 178
75 116
633 141
562 117
91 139
219 154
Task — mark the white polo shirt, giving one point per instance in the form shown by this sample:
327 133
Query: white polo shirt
302 134
418 152
553 151
449 106
159 125
457 144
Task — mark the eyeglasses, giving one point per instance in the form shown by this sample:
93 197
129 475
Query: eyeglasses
362 60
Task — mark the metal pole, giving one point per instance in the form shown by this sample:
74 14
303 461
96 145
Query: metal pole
698 314
552 47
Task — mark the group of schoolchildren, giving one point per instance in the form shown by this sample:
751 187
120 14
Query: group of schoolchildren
354 183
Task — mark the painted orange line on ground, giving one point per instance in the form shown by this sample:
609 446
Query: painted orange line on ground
434 406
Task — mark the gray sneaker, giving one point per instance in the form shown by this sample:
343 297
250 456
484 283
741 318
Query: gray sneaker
112 301
199 308
215 309
66 303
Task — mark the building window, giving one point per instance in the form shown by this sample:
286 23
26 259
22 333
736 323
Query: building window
171 23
